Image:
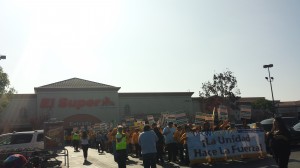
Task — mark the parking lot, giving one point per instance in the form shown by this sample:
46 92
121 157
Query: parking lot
106 160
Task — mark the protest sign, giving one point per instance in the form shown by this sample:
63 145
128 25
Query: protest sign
162 121
129 121
139 125
199 118
181 118
150 119
177 117
54 135
245 112
222 145
97 127
104 127
222 112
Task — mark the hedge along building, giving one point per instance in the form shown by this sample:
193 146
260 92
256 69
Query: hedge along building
80 102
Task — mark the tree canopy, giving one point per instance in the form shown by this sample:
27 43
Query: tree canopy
222 90
262 104
5 90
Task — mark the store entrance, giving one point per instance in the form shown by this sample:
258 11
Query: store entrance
80 120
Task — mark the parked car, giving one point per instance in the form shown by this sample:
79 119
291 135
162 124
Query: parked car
268 123
295 133
27 140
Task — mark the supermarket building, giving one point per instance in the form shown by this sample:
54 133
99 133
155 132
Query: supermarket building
80 102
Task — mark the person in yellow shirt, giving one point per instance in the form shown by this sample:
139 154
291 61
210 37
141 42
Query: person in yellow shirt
177 135
130 144
135 141
126 132
113 141
183 140
109 142
76 139
120 154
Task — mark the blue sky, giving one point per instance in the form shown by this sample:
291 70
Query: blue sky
152 46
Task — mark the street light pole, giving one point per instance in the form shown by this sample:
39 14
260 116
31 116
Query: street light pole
2 57
270 79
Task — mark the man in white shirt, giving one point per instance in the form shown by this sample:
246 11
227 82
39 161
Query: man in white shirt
170 142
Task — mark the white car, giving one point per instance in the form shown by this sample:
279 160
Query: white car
22 141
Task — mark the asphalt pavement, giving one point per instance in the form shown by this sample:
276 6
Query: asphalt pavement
106 160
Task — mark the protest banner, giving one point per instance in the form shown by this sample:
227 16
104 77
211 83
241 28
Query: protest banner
222 112
245 112
54 135
223 145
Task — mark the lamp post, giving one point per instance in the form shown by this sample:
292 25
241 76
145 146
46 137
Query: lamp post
270 79
2 57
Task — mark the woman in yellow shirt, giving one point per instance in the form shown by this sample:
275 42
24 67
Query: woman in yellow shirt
135 141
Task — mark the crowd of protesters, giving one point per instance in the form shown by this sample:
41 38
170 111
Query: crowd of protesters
152 144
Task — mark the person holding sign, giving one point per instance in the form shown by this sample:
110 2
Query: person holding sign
280 142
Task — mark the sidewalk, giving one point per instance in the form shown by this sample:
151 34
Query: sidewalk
96 160
106 160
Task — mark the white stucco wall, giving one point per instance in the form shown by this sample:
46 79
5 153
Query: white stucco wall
19 112
101 104
154 104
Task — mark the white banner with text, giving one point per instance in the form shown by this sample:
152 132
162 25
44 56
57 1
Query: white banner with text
221 145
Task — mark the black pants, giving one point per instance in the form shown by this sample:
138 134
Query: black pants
172 150
149 160
100 146
85 150
281 151
121 158
187 158
282 159
137 150
180 151
76 144
160 152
